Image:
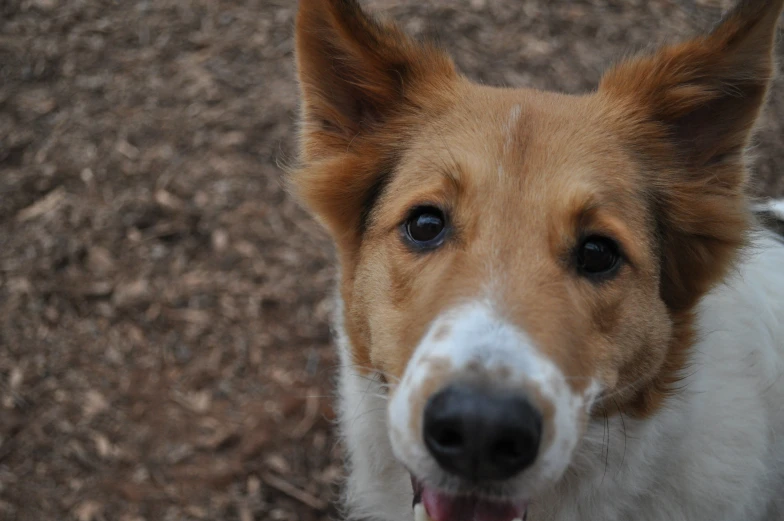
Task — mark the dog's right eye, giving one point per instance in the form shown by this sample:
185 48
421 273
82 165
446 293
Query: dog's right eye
598 257
425 227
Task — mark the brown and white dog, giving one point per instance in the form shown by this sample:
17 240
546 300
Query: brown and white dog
554 307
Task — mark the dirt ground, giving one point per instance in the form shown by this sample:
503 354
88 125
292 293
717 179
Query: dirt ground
164 346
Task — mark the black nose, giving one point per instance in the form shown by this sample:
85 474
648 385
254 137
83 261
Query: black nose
480 434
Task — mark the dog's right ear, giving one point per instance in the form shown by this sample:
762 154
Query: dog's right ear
360 80
354 72
701 99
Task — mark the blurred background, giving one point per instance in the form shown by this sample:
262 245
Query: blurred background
164 346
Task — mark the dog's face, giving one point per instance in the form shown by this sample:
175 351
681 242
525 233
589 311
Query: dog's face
514 261
492 267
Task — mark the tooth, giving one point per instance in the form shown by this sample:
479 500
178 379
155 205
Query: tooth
420 514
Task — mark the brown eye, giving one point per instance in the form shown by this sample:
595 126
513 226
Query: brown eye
425 227
598 256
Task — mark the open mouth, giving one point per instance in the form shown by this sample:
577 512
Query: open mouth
434 505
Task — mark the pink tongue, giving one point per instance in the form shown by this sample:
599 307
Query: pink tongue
441 507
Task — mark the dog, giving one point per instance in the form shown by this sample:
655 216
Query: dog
551 307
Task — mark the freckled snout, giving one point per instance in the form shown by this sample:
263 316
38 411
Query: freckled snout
481 408
480 434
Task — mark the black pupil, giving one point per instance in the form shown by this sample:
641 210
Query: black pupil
425 226
598 255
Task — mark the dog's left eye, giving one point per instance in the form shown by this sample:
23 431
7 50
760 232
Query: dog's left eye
598 256
425 227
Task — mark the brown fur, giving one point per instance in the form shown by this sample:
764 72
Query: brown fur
653 159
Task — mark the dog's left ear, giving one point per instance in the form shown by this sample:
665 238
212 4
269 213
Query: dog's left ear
697 104
707 91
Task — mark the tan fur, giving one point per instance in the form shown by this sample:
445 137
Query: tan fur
653 159
438 370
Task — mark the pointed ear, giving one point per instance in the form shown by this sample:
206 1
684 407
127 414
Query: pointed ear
364 84
693 108
707 92
355 73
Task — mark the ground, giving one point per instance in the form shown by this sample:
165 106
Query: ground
164 342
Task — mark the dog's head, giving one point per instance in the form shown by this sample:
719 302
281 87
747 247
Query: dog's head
514 261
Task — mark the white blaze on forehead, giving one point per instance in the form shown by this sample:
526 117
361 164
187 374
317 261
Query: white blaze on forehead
514 118
471 342
510 127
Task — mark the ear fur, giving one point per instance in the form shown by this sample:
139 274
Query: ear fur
707 91
359 79
697 104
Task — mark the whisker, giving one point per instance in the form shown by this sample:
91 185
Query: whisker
359 405
617 392
387 376
357 417
623 424
607 451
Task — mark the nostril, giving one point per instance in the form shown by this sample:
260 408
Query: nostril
507 448
513 443
447 435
